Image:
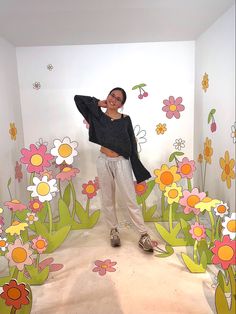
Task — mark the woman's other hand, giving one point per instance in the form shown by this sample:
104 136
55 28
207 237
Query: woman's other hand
102 103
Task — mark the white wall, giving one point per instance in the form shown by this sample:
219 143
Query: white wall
50 112
215 55
10 112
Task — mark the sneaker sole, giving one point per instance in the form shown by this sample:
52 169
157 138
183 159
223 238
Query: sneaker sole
149 250
114 244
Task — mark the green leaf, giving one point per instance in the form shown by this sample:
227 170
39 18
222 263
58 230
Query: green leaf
179 153
209 118
223 282
135 87
64 215
203 247
221 303
142 85
150 186
57 238
176 153
148 215
169 251
185 228
42 214
67 194
36 277
170 237
192 266
9 182
41 229
21 215
81 213
213 111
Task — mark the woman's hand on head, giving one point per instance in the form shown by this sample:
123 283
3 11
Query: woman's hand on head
102 103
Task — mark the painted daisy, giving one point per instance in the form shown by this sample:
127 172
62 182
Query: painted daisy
64 150
90 189
224 252
229 226
166 176
39 244
197 231
207 203
3 244
179 144
221 209
44 189
16 227
67 173
31 217
173 193
190 199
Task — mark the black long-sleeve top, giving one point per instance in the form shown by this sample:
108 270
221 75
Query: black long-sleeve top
115 134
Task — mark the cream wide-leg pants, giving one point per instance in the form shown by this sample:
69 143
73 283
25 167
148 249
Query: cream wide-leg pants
117 170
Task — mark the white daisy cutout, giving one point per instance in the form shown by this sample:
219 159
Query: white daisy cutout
140 136
3 244
64 151
229 225
31 217
43 189
221 209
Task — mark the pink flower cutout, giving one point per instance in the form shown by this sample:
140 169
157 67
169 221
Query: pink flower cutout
224 252
197 231
190 199
18 172
35 205
36 158
15 205
39 244
140 188
103 266
173 107
67 173
90 189
186 168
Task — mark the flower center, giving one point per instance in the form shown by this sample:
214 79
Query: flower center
35 205
104 266
193 200
225 253
90 189
167 178
15 201
186 169
173 193
40 244
207 151
197 231
227 169
43 188
172 107
231 225
19 255
15 223
31 217
65 150
140 187
66 169
36 160
2 243
221 209
14 293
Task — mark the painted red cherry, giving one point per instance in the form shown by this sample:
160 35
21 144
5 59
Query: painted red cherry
213 127
145 94
140 96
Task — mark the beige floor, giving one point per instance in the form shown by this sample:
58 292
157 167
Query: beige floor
142 283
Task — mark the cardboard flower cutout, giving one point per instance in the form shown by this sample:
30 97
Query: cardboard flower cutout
64 151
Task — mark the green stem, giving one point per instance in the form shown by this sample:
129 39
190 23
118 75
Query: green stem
144 206
176 161
218 222
233 286
201 176
204 180
13 310
59 187
189 185
87 205
31 182
162 204
15 274
197 218
9 191
212 227
37 261
195 252
12 216
171 218
74 199
49 216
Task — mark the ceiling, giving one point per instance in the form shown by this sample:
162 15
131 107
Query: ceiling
74 22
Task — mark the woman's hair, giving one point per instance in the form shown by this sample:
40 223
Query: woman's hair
122 91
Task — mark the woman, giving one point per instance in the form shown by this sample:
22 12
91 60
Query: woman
114 132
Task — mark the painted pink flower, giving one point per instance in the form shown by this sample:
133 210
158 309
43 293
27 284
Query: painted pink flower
39 244
224 252
47 173
140 188
103 266
173 107
35 205
190 199
186 168
1 221
198 231
90 189
18 172
67 173
15 205
36 158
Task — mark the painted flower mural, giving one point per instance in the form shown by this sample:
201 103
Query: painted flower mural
224 252
205 82
43 189
227 165
186 168
173 107
13 131
102 267
190 200
166 176
161 128
198 231
140 136
179 144
208 150
90 189
64 151
229 226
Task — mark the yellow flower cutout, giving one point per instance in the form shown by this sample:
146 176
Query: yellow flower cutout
161 128
207 204
200 158
208 150
205 82
166 176
173 193
16 228
13 131
227 165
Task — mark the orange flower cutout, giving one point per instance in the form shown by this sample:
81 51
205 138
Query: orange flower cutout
208 150
227 165
13 131
166 176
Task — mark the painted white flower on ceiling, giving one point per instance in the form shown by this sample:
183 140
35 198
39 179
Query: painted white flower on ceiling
64 151
140 136
179 144
43 189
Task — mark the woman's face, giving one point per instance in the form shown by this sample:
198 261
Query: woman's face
115 99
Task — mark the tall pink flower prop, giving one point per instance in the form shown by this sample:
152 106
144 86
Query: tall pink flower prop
67 173
197 231
36 158
224 252
186 168
19 254
190 199
173 107
103 266
15 205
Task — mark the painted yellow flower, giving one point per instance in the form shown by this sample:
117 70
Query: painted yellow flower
207 203
173 193
13 131
227 165
16 228
205 82
208 150
200 158
166 176
161 128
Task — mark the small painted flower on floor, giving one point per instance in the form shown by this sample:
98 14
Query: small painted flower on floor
36 85
50 67
102 267
179 144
